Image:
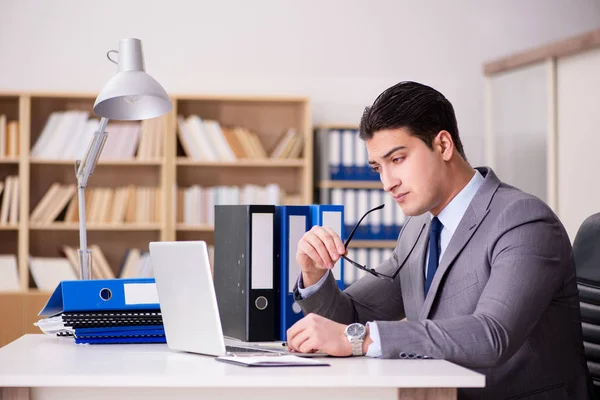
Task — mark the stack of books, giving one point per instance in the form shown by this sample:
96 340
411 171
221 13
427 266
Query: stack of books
104 312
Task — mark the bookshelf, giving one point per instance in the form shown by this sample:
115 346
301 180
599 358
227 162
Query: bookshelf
343 176
267 117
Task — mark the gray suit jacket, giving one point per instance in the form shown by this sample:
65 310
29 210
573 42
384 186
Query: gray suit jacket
503 301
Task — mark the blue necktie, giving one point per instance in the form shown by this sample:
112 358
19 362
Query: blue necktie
434 251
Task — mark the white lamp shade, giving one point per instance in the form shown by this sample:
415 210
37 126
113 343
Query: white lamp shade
132 95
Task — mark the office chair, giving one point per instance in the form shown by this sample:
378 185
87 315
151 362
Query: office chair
586 249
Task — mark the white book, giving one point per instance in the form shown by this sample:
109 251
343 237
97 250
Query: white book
283 143
399 216
348 154
3 136
48 272
349 269
47 135
190 146
337 196
13 215
72 136
218 138
9 275
362 257
375 217
388 210
334 146
202 138
360 154
350 208
374 258
6 200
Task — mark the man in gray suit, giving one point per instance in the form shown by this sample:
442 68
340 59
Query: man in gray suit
483 274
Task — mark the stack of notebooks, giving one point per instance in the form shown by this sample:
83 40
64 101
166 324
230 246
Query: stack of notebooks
104 312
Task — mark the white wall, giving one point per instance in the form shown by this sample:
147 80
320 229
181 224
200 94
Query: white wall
339 53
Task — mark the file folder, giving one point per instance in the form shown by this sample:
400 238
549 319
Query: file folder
246 273
333 216
122 340
292 222
102 295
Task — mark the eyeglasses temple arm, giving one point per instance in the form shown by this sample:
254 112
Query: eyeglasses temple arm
356 226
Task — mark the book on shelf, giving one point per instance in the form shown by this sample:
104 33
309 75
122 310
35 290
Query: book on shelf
343 156
48 272
126 204
206 140
9 138
195 204
67 134
9 275
370 257
9 204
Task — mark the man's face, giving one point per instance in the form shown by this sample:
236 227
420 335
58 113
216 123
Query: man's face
409 170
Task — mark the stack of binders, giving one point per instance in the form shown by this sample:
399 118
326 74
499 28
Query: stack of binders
256 269
104 312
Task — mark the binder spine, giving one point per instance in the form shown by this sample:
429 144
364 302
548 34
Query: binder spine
263 307
247 272
230 276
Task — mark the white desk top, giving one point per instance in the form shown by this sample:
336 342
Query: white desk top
43 361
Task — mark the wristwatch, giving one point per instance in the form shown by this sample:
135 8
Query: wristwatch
356 333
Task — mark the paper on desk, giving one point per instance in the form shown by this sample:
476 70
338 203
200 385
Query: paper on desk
53 326
272 361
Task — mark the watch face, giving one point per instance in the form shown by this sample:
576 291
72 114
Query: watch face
356 330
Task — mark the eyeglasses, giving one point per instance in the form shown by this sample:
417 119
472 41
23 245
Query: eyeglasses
364 267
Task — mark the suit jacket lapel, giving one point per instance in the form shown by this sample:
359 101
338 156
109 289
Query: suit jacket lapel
415 272
475 214
460 238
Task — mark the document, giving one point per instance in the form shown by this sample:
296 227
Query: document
272 361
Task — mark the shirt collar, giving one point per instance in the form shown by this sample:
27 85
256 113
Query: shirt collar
451 215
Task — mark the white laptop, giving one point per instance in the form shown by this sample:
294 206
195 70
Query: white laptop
189 305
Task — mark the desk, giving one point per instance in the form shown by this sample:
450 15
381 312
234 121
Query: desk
42 368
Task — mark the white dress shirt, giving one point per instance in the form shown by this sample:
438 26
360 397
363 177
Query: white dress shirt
450 217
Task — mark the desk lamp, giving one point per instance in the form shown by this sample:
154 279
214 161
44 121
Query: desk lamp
131 94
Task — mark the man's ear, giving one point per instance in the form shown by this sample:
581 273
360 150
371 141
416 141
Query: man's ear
444 141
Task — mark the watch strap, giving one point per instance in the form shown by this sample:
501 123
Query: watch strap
357 347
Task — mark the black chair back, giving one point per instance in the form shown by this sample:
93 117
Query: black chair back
586 249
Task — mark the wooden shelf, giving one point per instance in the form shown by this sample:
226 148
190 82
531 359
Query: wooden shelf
373 244
350 185
9 227
268 117
60 226
260 163
102 162
195 228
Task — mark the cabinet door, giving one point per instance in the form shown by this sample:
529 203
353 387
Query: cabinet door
518 141
578 147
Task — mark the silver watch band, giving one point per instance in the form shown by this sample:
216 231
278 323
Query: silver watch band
357 347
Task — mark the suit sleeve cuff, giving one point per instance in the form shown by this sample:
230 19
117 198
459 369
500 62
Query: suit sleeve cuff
307 292
374 349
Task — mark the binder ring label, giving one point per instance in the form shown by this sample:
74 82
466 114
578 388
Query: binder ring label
261 302
105 294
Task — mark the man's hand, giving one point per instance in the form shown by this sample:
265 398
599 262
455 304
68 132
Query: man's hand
315 333
318 251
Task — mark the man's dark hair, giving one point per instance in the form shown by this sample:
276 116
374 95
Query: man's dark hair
421 109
